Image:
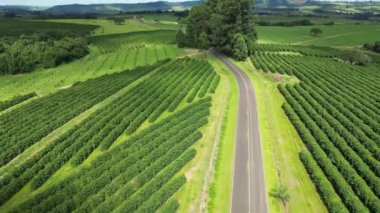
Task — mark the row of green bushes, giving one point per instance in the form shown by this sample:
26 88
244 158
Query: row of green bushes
14 101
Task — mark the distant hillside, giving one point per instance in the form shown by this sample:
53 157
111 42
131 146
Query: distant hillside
116 8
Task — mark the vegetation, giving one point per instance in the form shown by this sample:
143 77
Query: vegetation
119 21
281 193
337 119
145 102
45 49
344 35
316 31
225 24
17 27
303 22
373 47
14 101
26 125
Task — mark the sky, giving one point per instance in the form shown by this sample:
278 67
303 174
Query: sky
61 2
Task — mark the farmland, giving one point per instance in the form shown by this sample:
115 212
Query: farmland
107 55
109 124
337 118
19 27
150 119
336 35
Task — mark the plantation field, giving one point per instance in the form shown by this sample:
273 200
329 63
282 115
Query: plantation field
337 119
17 27
106 27
109 54
281 145
336 35
158 120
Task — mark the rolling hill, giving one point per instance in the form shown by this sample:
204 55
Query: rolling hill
116 8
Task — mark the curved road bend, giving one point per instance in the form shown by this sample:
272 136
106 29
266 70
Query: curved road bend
249 193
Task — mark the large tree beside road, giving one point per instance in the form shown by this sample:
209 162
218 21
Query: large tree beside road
225 24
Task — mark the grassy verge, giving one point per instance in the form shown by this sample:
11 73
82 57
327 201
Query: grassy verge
281 145
220 190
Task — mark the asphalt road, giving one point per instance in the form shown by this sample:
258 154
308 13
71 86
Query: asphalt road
249 192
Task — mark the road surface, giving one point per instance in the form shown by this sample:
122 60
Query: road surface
249 193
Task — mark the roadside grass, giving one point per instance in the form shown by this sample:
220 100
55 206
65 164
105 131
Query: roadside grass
220 189
199 172
281 147
335 35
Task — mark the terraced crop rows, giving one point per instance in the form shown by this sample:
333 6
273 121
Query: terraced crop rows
338 119
136 174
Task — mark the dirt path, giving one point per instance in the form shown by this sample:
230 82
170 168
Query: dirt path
249 192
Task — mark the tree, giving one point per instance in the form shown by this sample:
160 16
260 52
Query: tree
316 31
181 38
282 194
239 47
119 21
204 42
357 57
219 21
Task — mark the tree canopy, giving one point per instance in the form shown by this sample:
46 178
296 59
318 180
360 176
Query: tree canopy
225 24
316 31
42 49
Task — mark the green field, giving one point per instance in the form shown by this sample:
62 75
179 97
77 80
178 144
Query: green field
109 54
141 125
281 146
113 76
336 35
150 142
337 119
16 27
108 26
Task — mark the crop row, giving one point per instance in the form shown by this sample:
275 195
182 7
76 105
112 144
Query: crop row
337 118
126 114
14 101
136 175
26 125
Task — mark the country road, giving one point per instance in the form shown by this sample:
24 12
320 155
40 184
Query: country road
249 192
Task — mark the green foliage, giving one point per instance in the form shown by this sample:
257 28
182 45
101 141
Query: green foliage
45 49
181 38
18 27
336 117
19 99
135 175
373 47
222 24
357 57
162 91
203 40
119 20
316 31
281 193
239 47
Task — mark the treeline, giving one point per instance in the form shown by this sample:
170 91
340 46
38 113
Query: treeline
373 47
225 24
303 22
42 49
